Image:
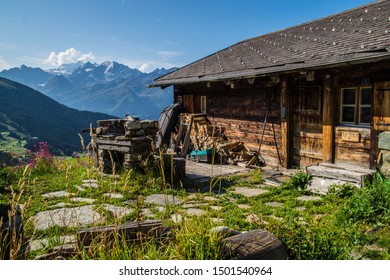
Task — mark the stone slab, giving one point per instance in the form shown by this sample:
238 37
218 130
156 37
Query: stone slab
90 181
60 205
176 218
216 208
162 199
196 211
249 192
113 195
194 205
90 185
210 198
309 198
83 199
384 140
57 194
117 211
67 217
274 204
243 206
39 244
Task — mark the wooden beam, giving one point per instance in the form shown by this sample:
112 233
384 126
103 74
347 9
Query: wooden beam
285 149
328 123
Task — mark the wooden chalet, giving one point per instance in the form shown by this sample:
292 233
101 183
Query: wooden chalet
324 87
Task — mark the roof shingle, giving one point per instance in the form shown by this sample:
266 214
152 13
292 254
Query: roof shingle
360 33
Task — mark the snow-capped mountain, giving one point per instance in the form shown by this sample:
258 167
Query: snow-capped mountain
109 87
92 73
32 77
65 69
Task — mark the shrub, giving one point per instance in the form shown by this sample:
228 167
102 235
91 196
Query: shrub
300 181
7 176
369 204
41 159
312 240
342 191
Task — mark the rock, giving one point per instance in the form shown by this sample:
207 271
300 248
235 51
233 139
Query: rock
59 205
117 211
83 199
163 199
57 194
249 192
67 217
113 195
132 125
176 218
45 242
274 204
210 198
309 198
243 206
385 163
196 212
384 140
90 185
256 244
224 231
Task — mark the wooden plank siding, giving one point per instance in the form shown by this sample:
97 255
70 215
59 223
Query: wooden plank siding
353 145
242 112
307 124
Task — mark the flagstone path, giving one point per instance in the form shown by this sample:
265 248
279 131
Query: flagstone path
74 212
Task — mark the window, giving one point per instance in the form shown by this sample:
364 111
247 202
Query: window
203 104
356 105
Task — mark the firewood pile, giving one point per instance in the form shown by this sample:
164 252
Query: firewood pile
203 136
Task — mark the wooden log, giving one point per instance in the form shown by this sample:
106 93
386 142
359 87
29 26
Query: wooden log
128 231
255 245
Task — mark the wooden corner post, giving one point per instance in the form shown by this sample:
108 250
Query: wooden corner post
285 153
328 122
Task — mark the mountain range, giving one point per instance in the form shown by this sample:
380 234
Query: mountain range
29 116
109 87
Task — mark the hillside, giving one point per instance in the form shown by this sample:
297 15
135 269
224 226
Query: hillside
30 116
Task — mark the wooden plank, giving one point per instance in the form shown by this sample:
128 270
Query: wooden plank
187 138
350 136
128 231
381 106
285 127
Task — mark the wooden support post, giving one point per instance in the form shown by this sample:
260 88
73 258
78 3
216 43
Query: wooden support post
328 122
285 153
187 138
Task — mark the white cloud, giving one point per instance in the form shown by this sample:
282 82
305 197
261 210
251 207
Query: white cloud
68 56
4 64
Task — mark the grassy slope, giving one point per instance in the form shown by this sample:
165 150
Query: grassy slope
346 224
30 113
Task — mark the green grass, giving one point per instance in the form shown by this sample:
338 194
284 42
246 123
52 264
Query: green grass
347 223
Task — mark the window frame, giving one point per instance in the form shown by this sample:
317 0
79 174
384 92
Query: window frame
357 105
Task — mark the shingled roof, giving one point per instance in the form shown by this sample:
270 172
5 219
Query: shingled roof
355 35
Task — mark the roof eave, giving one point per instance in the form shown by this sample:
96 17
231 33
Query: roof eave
284 69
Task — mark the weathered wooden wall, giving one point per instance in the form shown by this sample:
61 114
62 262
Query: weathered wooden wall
353 145
307 123
242 111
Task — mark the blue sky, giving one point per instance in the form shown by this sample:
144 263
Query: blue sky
143 34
